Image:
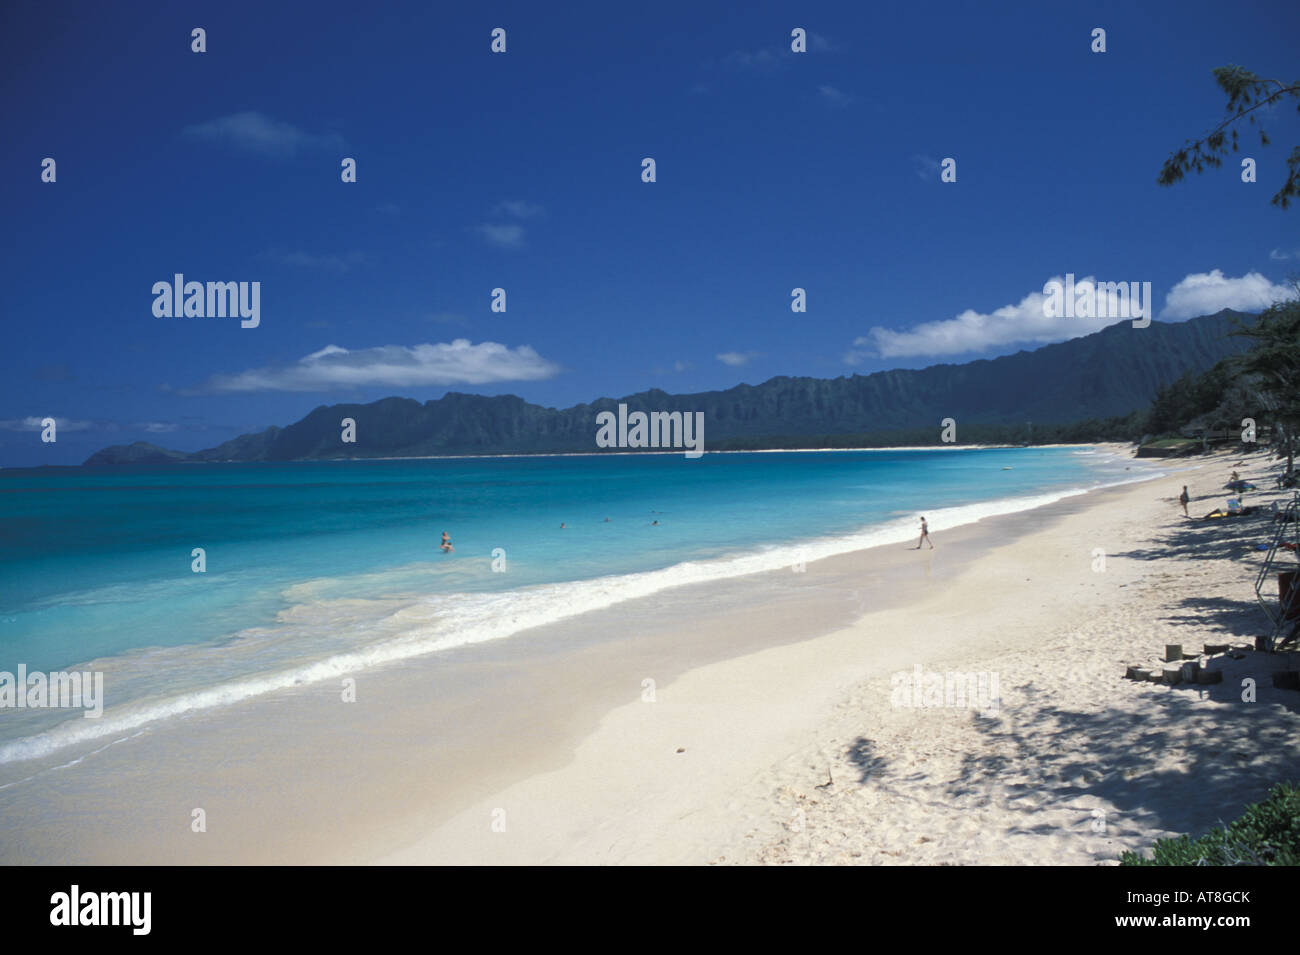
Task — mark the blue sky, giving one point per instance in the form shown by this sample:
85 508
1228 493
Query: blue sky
522 171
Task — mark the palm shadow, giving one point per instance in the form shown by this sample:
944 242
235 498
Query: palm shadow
1068 754
862 754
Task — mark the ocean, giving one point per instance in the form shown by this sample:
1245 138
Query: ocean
317 570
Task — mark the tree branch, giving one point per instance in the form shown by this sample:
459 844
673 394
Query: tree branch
1282 91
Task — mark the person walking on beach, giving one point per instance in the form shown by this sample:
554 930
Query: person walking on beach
1183 499
925 536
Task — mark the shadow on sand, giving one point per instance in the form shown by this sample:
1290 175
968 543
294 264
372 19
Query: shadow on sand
1068 754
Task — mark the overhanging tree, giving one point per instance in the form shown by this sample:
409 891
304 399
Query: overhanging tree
1273 363
1246 93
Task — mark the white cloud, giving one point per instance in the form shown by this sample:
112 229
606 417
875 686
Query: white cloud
259 133
33 423
519 208
761 60
832 96
1279 255
926 168
1204 293
767 60
502 236
735 358
1025 322
393 366
972 331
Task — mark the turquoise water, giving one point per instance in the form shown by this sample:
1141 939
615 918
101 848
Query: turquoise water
316 568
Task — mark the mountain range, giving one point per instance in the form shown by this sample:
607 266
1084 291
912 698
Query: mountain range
1108 373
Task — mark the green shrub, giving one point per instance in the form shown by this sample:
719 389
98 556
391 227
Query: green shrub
1268 833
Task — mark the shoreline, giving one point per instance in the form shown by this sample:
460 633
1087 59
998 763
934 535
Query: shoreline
580 454
795 755
566 678
249 686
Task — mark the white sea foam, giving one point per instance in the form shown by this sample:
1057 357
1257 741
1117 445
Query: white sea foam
429 625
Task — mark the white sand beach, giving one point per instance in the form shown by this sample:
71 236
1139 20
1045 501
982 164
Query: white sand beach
796 755
751 720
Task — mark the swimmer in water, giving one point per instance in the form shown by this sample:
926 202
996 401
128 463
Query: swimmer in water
446 547
561 525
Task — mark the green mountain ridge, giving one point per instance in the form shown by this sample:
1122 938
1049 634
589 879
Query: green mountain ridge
1105 374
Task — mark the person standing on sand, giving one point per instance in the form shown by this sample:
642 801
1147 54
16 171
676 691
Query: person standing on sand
1183 499
925 536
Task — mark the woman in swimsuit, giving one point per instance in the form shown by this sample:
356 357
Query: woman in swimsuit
925 536
446 547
